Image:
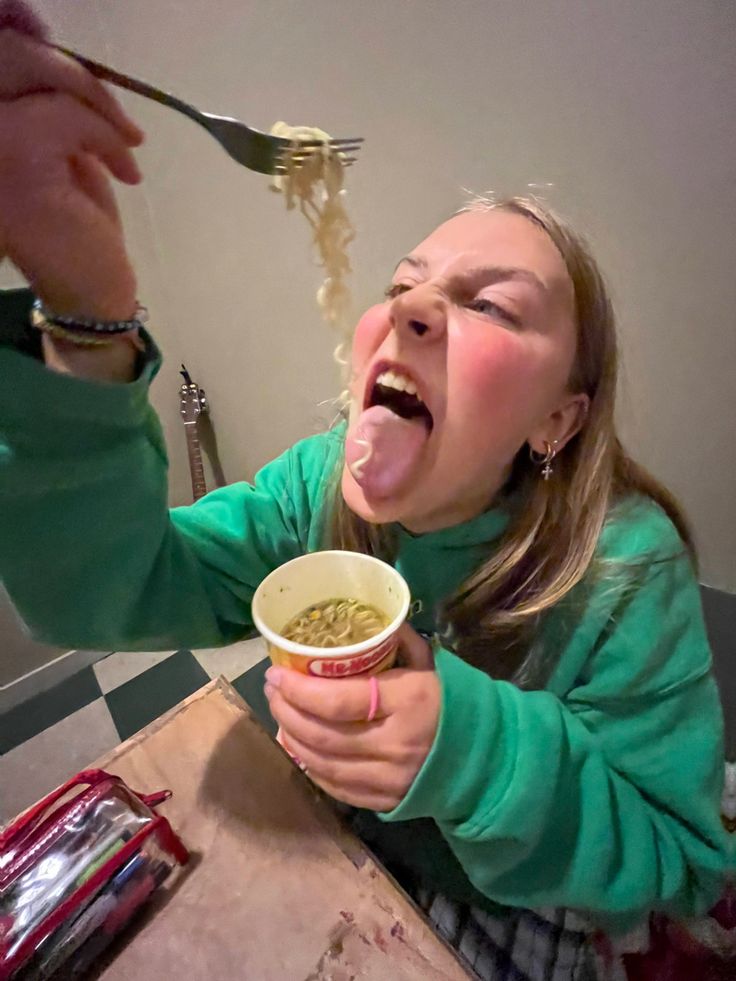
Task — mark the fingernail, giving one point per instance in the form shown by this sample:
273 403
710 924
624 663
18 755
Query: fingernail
274 676
268 691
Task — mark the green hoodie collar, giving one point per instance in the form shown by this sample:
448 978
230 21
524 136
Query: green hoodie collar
480 530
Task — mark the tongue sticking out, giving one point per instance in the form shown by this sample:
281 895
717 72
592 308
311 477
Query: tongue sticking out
382 450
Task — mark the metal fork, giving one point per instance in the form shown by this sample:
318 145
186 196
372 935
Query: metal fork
253 149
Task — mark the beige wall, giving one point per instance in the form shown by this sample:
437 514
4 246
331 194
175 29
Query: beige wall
626 108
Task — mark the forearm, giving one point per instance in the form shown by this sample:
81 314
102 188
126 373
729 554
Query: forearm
114 363
538 815
89 550
84 526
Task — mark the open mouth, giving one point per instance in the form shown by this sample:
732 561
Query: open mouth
397 392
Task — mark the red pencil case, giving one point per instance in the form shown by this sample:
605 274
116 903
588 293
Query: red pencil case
74 869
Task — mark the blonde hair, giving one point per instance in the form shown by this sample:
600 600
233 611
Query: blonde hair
550 542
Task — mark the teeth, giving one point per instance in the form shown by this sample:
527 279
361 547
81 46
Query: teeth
391 379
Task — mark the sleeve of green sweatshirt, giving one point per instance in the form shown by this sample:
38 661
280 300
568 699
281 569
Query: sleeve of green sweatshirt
606 800
90 553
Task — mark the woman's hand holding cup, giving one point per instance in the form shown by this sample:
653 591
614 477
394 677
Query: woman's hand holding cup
357 724
326 724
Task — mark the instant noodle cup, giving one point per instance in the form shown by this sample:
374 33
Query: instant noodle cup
321 576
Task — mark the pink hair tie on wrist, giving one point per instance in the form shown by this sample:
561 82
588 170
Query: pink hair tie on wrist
375 699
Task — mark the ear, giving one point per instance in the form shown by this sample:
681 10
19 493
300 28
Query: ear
561 425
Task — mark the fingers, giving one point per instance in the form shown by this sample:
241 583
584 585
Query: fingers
30 68
89 90
51 129
90 178
94 135
361 783
103 143
346 700
348 740
333 700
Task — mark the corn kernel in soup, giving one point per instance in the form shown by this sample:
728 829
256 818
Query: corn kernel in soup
335 623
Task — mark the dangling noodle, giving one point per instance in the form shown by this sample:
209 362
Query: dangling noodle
356 467
315 182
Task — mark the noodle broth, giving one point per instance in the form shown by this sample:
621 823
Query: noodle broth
337 622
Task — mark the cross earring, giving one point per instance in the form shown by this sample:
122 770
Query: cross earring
545 459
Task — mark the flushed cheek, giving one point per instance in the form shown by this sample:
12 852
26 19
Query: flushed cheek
370 333
505 381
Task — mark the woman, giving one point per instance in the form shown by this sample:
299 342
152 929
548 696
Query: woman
523 773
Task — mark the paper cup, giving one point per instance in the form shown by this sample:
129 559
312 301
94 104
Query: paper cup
315 578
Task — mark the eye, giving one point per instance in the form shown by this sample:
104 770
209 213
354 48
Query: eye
395 289
491 309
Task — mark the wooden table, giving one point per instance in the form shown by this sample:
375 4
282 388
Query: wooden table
277 889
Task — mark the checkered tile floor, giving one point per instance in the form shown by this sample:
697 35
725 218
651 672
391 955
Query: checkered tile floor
53 735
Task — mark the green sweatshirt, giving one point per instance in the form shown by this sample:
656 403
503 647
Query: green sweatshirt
599 793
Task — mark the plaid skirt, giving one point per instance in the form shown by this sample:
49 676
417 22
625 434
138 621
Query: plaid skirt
524 945
510 944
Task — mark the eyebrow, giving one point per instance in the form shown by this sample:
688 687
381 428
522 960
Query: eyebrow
489 274
413 260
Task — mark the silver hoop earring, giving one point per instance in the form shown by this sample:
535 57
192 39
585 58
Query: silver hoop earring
544 459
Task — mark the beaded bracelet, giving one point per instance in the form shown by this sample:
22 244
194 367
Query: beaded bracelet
85 325
86 333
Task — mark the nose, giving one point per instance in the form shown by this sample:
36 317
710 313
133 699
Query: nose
420 312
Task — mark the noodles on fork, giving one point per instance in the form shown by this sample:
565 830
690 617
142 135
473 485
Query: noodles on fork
314 181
